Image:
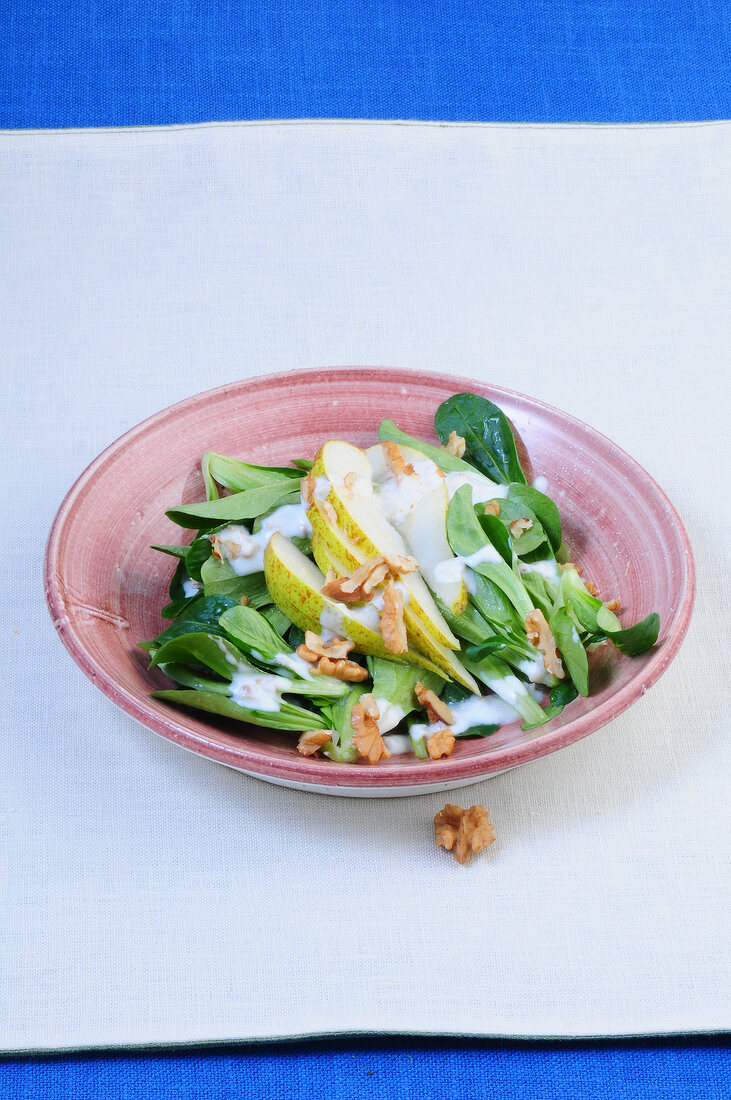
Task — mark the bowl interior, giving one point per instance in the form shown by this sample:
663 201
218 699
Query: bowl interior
105 585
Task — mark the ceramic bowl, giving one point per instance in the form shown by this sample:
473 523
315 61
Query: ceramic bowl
105 586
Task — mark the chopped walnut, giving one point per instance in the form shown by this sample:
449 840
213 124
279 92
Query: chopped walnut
370 706
399 563
455 445
367 737
396 460
614 605
311 741
464 832
357 588
307 488
492 508
349 671
540 636
440 744
244 601
393 630
591 588
518 526
436 710
314 647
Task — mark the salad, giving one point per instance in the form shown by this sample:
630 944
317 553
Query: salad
383 601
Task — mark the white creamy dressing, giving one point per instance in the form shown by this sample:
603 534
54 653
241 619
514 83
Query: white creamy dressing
397 743
482 488
253 689
389 715
540 483
322 488
460 568
478 710
191 587
547 569
332 620
245 552
536 672
295 664
287 660
257 690
395 498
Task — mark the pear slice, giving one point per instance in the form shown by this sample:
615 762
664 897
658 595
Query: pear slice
295 582
425 531
363 523
425 525
332 548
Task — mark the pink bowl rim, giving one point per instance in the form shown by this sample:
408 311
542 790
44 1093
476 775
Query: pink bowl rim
309 771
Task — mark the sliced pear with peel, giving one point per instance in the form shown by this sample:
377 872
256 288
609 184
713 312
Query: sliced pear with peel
425 531
360 519
332 548
295 582
425 525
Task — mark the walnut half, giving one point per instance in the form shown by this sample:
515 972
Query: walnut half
463 832
540 636
367 737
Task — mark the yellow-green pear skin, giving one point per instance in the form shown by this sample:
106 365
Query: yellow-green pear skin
363 524
295 582
331 547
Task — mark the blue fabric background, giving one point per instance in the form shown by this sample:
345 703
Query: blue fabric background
143 62
387 1070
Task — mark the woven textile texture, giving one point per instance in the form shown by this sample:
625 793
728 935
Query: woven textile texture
142 63
159 898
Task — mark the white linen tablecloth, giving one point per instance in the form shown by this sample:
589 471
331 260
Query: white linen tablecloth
151 896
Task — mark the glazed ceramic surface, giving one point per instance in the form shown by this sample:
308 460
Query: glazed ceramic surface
105 586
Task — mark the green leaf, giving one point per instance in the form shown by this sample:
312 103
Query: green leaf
238 476
208 479
464 531
276 618
200 648
396 682
305 464
220 578
489 443
199 552
444 460
529 540
289 717
587 608
559 696
340 747
188 677
569 646
202 614
492 603
179 602
542 507
237 507
501 679
174 551
469 625
505 579
249 630
636 639
497 533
